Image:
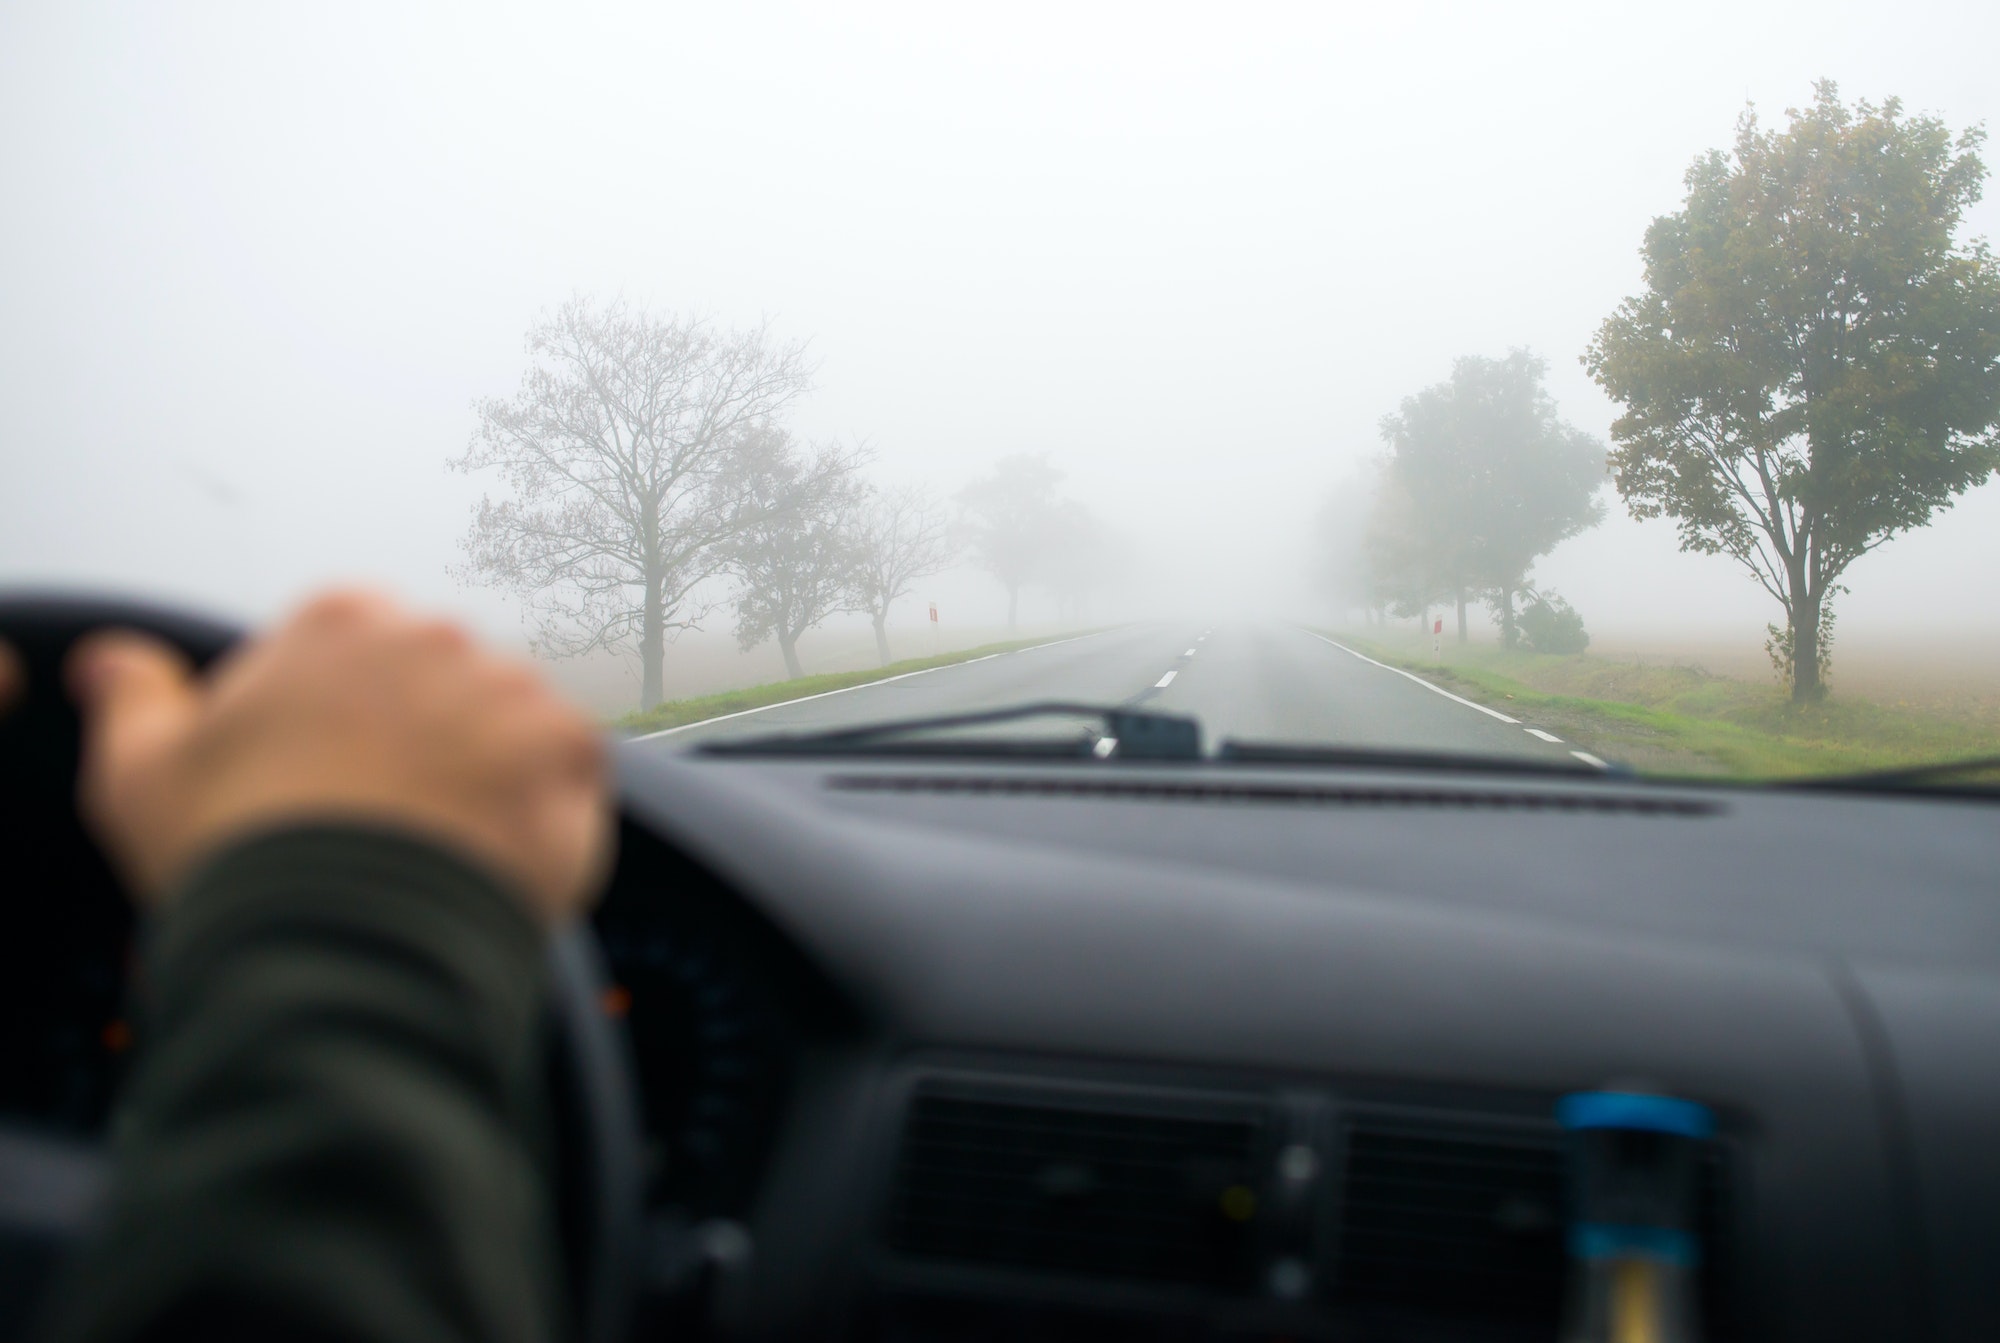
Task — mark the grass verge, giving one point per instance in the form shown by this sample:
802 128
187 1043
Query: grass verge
681 712
1681 720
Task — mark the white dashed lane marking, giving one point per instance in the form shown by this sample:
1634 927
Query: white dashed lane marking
1545 736
1590 760
1188 654
1164 681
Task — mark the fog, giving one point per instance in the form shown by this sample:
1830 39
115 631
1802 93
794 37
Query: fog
256 263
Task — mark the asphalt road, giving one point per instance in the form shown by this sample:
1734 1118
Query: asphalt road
1264 682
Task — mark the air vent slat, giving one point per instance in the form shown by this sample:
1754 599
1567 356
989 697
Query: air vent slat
1459 1224
1452 1225
1091 1190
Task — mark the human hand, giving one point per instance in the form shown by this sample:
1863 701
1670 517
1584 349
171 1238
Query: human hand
352 710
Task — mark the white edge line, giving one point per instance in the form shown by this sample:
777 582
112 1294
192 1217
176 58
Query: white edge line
900 676
1545 736
1590 760
1491 713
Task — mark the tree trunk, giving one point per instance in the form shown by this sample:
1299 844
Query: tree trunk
1808 683
788 644
652 648
1013 603
1461 614
1509 635
882 636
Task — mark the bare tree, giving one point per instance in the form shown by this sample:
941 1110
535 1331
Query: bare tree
616 448
797 548
904 537
1009 515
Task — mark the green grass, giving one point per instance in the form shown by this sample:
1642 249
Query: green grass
1681 720
680 712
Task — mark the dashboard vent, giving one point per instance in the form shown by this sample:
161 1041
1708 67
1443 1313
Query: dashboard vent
1087 1188
1464 1223
1455 1224
1281 794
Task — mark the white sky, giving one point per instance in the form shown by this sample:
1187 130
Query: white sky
257 260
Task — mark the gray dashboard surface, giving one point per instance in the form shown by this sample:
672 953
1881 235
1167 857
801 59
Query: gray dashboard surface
1541 935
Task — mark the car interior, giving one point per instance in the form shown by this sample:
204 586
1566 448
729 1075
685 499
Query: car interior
881 1045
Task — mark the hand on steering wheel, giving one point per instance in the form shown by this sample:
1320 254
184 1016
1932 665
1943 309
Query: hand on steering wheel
192 735
353 709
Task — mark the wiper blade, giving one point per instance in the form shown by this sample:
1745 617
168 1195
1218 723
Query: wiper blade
1931 778
1124 734
1373 757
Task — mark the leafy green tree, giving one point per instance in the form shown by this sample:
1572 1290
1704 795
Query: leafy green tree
1495 479
1814 365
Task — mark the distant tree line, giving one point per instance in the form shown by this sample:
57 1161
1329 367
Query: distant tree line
652 481
1024 535
1812 369
1480 480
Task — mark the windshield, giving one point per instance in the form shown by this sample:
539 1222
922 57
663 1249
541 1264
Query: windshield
1589 386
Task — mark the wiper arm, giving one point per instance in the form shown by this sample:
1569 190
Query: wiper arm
1373 757
1932 778
1126 734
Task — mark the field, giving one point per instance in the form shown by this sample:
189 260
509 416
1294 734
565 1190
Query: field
1667 714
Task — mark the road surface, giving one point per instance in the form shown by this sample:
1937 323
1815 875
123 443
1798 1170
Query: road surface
1264 683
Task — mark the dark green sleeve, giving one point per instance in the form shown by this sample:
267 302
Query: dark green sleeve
336 1127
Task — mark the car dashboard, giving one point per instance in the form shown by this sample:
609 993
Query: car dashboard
961 1049
1223 1052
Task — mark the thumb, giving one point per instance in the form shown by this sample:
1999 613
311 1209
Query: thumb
136 696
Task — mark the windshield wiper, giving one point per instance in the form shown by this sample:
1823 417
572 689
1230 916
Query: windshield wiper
1376 757
1124 734
1932 778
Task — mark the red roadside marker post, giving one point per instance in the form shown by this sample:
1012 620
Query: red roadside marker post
1437 637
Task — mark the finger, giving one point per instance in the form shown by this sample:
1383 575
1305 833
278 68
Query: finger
13 677
578 834
344 608
601 830
135 695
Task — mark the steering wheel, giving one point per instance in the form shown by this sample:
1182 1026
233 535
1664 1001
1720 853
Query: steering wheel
66 906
